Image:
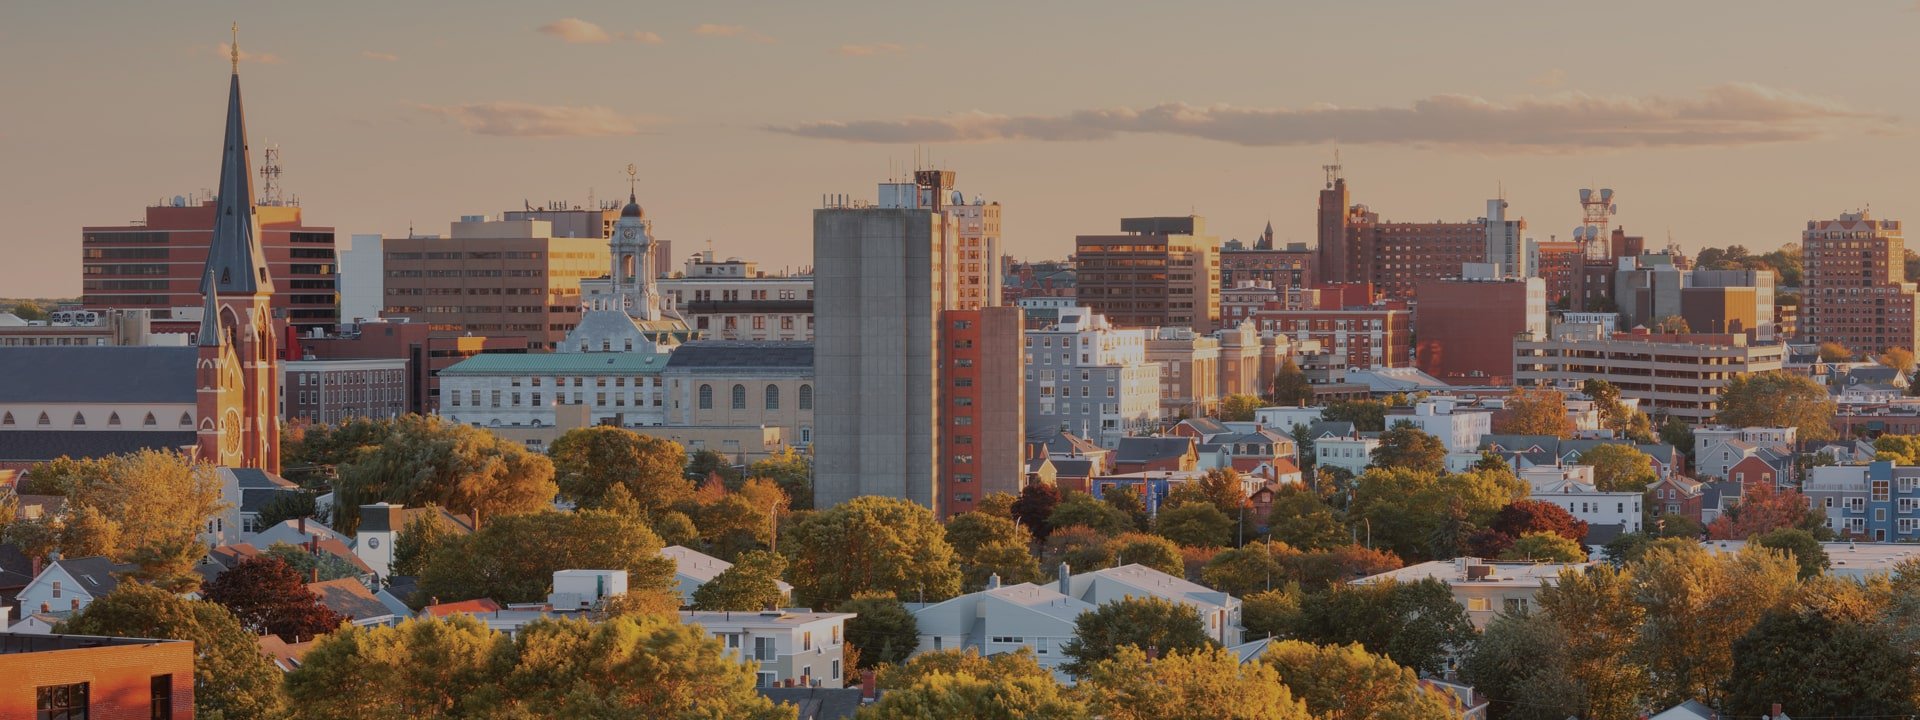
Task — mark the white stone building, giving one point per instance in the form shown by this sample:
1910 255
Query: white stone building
1085 376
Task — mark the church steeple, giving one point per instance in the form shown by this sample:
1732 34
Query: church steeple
210 318
235 262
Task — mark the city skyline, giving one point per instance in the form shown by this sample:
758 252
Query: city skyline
417 116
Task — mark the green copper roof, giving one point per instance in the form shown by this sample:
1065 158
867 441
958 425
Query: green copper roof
614 363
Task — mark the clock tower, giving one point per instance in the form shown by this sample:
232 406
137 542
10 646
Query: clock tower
633 271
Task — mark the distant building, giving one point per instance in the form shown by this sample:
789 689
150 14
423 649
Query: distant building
362 279
1367 337
1161 271
1467 325
1695 366
1855 290
493 277
983 403
803 647
1357 246
715 383
1292 266
1485 588
1556 263
735 300
329 391
1457 426
1087 377
425 354
81 676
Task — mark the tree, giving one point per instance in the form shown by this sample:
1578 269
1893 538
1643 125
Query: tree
1165 626
287 506
150 505
881 630
1345 682
1598 622
312 454
1672 324
1366 415
1777 398
734 524
1034 508
1544 547
1196 524
304 563
1241 571
421 536
1301 519
792 471
1619 468
29 311
1901 449
1615 415
753 583
1821 666
998 667
704 465
1319 569
997 503
1290 385
267 596
1416 624
1151 551
231 678
1534 412
512 559
1676 432
589 461
1522 517
424 459
1205 683
1076 546
1129 502
1272 613
939 696
1224 488
1406 510
630 668
169 564
1898 358
1694 602
1801 545
1764 509
1238 407
1406 446
988 546
359 672
870 543
1834 352
1077 508
1520 663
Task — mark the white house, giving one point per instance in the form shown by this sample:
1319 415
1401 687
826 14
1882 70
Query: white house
1459 428
1352 454
692 568
806 648
69 585
585 589
1002 619
1284 418
381 525
295 532
1572 488
1483 587
1219 611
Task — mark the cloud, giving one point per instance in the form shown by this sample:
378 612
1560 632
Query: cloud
645 37
1552 78
518 119
577 31
382 57
869 50
739 31
226 51
1725 115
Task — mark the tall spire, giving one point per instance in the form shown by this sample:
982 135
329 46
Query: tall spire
235 262
210 318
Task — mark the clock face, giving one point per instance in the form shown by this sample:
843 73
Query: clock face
630 233
373 543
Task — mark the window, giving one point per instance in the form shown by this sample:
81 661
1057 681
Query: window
706 397
836 670
61 702
773 397
113 420
1879 490
806 397
763 649
162 697
1514 606
8 419
56 589
186 419
79 420
1477 604
739 397
806 640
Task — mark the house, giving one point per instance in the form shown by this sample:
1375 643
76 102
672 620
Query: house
1351 452
294 532
1689 710
1245 451
1041 471
285 655
1002 619
244 492
478 606
1062 445
822 703
1285 418
1764 467
69 585
39 623
1571 487
1260 503
1143 454
1879 501
1459 427
1523 451
1677 495
792 646
693 568
1153 487
1485 588
1200 428
1716 497
1219 611
1717 449
358 604
1074 473
382 523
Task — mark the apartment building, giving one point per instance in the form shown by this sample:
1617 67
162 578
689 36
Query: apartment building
1160 272
493 277
792 646
329 391
1467 325
1367 337
1856 293
1086 377
1879 501
1679 375
733 299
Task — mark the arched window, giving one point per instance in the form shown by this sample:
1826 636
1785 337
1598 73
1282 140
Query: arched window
113 420
44 420
706 397
79 420
739 397
773 396
6 419
186 419
150 421
806 397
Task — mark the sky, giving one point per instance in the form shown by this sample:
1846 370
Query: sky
1716 122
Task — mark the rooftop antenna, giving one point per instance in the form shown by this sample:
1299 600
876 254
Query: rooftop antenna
233 49
270 177
1333 171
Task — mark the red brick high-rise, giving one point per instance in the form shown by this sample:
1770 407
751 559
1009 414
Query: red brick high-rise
1356 246
1856 291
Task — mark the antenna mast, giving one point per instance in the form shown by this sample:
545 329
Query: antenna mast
270 178
1333 171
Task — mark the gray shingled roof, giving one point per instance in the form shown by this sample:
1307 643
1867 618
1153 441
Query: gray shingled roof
1144 449
94 374
817 703
94 573
44 445
742 354
348 597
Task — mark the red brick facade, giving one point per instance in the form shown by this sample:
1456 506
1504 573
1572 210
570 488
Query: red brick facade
123 679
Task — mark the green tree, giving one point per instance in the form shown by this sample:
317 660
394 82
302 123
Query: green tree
287 506
303 563
1366 415
1129 502
512 559
1801 545
1619 468
1520 663
753 583
268 596
1615 415
462 468
1077 547
703 465
312 454
231 678
1901 449
997 503
734 524
1545 547
1598 623
939 696
999 667
629 669
1320 569
1777 398
1416 624
1258 566
1406 446
1143 622
675 528
1303 520
1238 408
1345 682
1694 602
870 544
1082 509
1272 613
589 461
1404 510
1290 386
792 471
1820 666
1206 683
169 564
881 631
1152 551
29 311
1034 508
987 545
360 672
1676 432
421 536
1196 524
1534 412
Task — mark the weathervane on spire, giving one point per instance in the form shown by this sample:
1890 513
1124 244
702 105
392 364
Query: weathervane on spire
233 49
632 173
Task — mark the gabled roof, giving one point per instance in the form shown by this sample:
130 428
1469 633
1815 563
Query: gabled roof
44 445
819 703
759 354
1149 581
1065 443
703 567
468 607
1716 494
1207 427
118 375
16 569
1256 437
1330 428
349 598
95 574
1073 468
285 655
1148 449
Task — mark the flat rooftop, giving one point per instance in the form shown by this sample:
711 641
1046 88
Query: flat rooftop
11 643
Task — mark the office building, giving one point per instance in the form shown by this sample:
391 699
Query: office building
1647 288
494 278
330 391
1506 244
155 264
1291 266
1467 326
1160 272
733 299
362 279
1856 293
1676 375
1091 379
1556 262
976 271
982 401
596 221
1370 336
1357 246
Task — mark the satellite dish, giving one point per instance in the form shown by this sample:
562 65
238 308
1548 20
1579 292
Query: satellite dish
179 201
1585 194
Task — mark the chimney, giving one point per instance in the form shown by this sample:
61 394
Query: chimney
314 573
1065 573
303 525
993 581
1776 712
75 604
46 608
869 687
